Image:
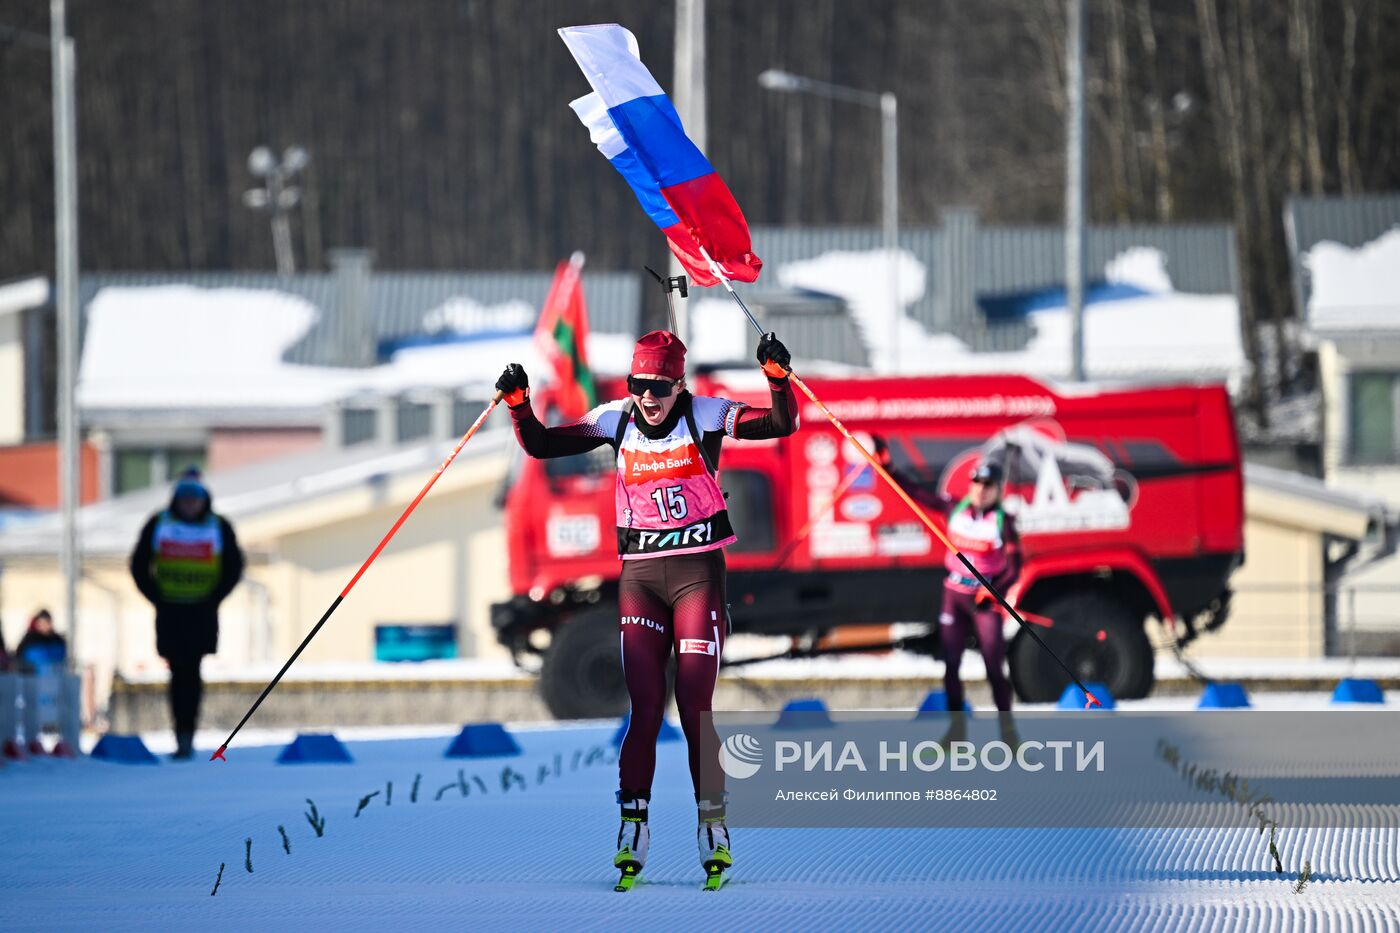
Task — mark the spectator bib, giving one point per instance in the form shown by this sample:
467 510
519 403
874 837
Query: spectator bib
187 558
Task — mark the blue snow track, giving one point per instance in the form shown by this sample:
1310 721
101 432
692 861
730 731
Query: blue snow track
95 846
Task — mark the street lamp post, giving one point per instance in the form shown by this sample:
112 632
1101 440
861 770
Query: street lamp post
1074 189
689 98
888 105
65 157
65 195
277 197
889 120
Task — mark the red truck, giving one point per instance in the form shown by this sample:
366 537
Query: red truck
1130 503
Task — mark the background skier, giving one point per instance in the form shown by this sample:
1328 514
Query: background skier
980 528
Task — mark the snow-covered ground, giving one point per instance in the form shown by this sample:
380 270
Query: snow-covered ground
215 669
893 665
93 845
899 664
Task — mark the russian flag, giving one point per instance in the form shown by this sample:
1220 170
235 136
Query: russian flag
635 126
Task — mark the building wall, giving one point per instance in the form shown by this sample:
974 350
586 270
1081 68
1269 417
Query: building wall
11 378
1277 611
29 475
236 447
1336 362
116 626
446 565
1369 598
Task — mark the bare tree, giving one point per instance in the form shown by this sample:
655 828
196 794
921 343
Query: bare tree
1156 115
441 137
1226 114
1347 165
1126 169
1300 28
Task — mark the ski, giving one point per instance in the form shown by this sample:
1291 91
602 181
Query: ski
629 877
714 878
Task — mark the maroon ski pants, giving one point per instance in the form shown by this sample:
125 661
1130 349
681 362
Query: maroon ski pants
959 619
674 603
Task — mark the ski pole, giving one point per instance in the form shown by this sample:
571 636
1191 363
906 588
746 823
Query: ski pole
1089 698
335 604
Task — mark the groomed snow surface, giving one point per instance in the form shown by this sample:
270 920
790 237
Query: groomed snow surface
91 845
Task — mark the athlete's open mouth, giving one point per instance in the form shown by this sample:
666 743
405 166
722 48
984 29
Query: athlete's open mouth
651 408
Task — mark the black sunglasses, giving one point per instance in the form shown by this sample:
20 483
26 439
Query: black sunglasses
660 388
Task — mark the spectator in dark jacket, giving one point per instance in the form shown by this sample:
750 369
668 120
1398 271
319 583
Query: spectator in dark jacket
186 562
41 650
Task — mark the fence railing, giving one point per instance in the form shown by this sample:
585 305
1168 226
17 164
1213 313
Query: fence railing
1356 618
32 704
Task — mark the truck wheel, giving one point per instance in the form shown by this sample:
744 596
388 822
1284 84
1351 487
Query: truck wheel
1097 636
581 677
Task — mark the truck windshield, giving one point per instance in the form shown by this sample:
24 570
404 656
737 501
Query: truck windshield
750 496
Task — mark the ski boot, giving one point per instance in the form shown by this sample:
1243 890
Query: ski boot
1009 735
633 840
184 746
957 732
712 836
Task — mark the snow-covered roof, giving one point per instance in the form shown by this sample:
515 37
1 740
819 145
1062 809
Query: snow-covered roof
992 260
1299 484
1355 291
235 349
1151 333
403 306
23 294
185 348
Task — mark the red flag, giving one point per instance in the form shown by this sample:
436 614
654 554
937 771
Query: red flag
561 336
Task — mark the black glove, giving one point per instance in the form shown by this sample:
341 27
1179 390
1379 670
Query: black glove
771 350
513 380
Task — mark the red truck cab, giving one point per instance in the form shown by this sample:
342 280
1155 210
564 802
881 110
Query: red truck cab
1129 502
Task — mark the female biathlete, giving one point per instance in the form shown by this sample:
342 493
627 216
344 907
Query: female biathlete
671 530
980 528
